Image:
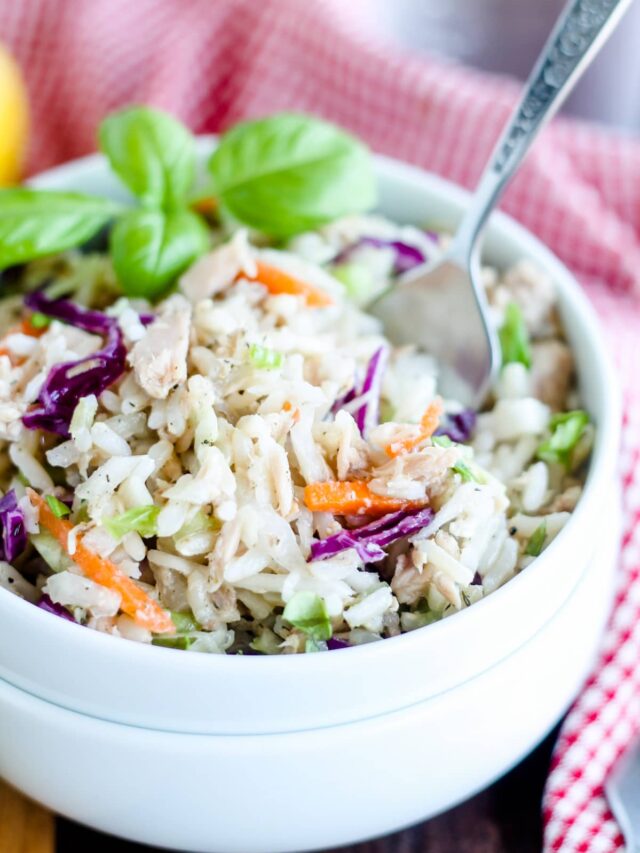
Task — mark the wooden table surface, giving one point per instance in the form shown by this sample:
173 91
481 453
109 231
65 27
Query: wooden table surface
503 819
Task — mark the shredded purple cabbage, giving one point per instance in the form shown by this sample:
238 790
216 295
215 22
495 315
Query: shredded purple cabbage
368 552
368 414
458 427
333 644
341 402
67 383
407 256
370 540
69 312
14 535
49 606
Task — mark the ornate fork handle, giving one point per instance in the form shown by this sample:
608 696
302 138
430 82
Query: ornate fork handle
576 37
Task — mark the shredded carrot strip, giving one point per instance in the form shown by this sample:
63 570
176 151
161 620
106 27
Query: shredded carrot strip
277 281
22 328
428 425
295 413
352 497
205 205
135 602
27 329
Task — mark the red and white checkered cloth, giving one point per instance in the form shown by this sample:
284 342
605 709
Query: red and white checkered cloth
212 62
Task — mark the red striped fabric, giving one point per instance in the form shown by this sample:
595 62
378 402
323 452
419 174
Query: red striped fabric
212 63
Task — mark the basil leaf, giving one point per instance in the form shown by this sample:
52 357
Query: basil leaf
514 337
151 152
288 173
566 431
536 542
308 612
34 223
150 248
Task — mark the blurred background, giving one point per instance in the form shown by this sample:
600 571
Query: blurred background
212 62
430 82
505 36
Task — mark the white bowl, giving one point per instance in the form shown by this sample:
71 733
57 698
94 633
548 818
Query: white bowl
218 753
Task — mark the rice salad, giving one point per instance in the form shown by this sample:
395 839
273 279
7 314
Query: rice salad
247 465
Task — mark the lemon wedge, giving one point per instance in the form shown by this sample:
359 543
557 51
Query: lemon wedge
13 119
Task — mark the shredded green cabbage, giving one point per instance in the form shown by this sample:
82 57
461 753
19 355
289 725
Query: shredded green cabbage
566 431
264 358
514 337
141 519
308 612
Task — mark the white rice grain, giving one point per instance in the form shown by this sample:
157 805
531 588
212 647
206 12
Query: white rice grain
109 441
30 468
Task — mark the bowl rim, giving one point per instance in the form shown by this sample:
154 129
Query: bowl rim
601 467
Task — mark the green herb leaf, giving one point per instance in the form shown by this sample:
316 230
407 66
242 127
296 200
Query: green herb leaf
441 441
288 173
264 358
57 507
465 472
150 249
536 542
566 431
308 612
141 519
152 153
514 337
35 223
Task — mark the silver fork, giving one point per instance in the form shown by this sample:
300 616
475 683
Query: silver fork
441 308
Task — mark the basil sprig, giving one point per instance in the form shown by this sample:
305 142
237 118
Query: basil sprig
154 155
281 175
288 173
